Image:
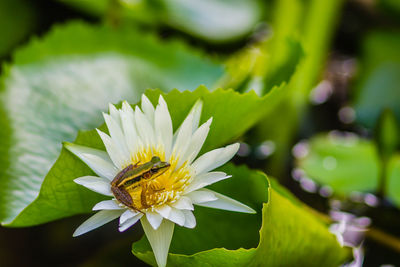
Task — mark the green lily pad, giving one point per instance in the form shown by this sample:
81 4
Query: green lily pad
345 163
289 235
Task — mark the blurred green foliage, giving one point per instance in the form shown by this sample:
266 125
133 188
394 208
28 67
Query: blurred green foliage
378 85
393 179
211 20
17 20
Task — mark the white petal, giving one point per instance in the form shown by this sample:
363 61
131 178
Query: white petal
197 141
131 137
164 211
226 203
129 222
148 109
201 196
154 219
205 179
214 158
114 113
127 108
97 160
183 140
119 159
163 126
144 128
107 205
190 220
196 111
127 215
96 184
100 218
177 216
183 203
159 239
116 134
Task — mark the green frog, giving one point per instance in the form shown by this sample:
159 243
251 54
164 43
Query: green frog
134 176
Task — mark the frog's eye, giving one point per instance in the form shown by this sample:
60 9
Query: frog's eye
155 159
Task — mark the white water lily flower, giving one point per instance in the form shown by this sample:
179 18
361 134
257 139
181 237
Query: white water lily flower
151 174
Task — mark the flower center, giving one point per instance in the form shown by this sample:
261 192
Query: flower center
146 186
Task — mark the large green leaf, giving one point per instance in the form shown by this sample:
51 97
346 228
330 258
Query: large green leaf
378 86
232 113
392 189
58 85
289 236
346 163
212 20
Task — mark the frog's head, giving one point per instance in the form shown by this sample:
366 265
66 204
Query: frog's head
158 167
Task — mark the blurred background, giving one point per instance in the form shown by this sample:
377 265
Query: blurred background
333 141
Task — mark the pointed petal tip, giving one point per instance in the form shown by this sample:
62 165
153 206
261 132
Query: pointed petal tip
72 147
161 100
250 210
98 219
126 106
111 106
107 205
129 222
155 219
96 184
145 98
224 203
146 103
199 103
124 103
234 147
76 233
164 211
123 228
190 220
67 144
